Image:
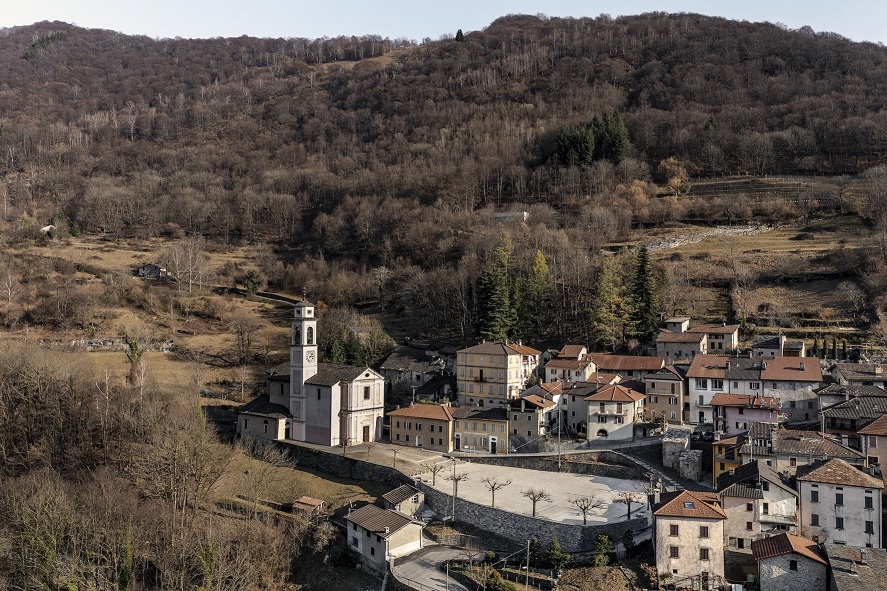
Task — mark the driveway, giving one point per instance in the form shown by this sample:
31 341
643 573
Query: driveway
422 570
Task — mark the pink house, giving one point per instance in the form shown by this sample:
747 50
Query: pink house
735 413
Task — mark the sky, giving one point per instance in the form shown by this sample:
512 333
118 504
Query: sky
859 20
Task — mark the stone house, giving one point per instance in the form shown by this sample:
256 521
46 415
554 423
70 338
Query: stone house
785 450
770 346
151 271
666 392
406 368
757 503
404 499
721 338
835 393
788 562
612 413
378 535
681 346
491 373
429 426
840 504
481 429
859 374
844 419
735 413
855 569
688 536
262 420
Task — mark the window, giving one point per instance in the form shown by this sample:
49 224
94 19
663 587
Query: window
873 441
502 428
674 552
814 496
741 410
513 417
602 408
839 523
439 428
792 565
318 393
765 485
755 385
702 384
456 425
765 508
736 386
418 426
619 408
869 527
372 551
703 554
620 420
397 437
749 526
673 401
654 400
717 384
366 392
839 498
354 539
793 461
703 531
602 419
529 417
673 529
749 507
868 503
407 436
814 519
483 426
245 423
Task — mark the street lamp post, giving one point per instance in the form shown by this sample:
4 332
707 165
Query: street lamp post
455 482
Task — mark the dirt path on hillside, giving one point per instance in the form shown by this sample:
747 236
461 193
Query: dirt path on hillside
692 238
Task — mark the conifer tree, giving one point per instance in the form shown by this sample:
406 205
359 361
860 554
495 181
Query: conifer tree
607 312
495 314
644 304
531 295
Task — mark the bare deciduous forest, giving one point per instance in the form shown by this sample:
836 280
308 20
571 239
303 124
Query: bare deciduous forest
375 173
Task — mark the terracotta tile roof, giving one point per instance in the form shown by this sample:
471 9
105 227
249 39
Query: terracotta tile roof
786 543
837 471
618 363
680 337
533 399
708 366
378 520
876 427
685 503
439 412
574 364
745 401
792 369
715 328
670 373
308 504
400 494
604 378
615 393
572 351
499 348
330 374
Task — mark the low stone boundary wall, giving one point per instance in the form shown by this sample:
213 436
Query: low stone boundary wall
344 466
520 528
569 465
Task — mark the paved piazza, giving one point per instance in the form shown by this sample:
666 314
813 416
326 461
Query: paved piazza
562 487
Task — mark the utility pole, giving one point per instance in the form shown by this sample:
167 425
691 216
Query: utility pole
527 580
454 492
414 393
559 425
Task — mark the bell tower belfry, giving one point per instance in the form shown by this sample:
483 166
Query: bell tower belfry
303 363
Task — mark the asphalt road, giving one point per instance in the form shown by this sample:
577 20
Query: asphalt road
421 570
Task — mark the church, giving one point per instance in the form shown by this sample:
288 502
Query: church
322 403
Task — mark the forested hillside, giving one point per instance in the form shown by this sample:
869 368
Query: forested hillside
371 166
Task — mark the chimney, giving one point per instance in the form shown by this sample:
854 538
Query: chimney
728 364
862 556
803 366
732 471
879 370
387 530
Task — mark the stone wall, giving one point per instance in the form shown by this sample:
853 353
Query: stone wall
343 466
520 528
595 464
673 444
691 465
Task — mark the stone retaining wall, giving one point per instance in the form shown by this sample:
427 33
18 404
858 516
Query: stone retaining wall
520 528
344 466
597 466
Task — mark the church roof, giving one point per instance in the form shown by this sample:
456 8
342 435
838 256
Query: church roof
263 407
330 374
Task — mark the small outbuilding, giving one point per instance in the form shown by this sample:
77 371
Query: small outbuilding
380 534
790 563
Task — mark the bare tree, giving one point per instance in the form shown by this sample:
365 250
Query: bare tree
436 469
456 479
493 485
268 468
536 495
586 504
628 498
854 296
243 326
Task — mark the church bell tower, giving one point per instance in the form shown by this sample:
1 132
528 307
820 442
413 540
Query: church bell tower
303 363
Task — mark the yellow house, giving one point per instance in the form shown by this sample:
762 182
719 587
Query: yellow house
423 425
481 429
491 373
726 456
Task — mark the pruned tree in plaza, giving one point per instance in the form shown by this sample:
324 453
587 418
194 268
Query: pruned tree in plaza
628 498
586 504
535 495
436 469
493 484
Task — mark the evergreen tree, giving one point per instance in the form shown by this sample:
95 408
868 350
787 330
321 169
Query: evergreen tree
816 346
495 315
555 557
531 295
607 312
354 352
574 146
338 351
611 139
535 551
460 36
644 304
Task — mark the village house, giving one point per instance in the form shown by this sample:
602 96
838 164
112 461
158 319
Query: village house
859 374
787 562
705 378
835 393
667 395
321 403
612 413
491 373
688 537
378 535
757 504
677 324
874 442
151 271
481 429
406 369
572 364
404 499
785 450
628 366
721 338
734 413
573 405
791 373
844 419
429 426
770 346
532 416
839 504
681 346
